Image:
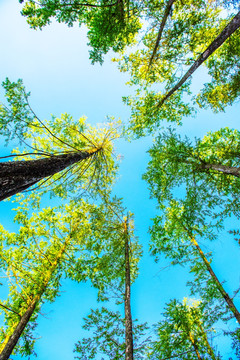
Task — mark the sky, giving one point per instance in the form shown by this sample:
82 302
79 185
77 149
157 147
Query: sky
55 67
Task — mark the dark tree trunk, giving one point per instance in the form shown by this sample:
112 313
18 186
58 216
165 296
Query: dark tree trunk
229 170
220 39
162 25
127 299
16 176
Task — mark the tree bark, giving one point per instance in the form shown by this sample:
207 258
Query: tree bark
162 25
229 170
127 299
11 341
195 346
220 39
16 176
224 294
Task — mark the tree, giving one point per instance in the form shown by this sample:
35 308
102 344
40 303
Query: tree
34 261
114 335
54 243
183 333
64 155
111 24
109 328
174 235
206 169
190 33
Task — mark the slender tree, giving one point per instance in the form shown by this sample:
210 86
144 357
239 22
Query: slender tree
183 333
127 297
115 336
174 236
231 27
33 261
201 36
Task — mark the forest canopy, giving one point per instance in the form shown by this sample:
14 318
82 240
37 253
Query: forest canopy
71 224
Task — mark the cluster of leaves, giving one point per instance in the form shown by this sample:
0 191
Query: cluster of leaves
108 328
112 24
56 242
168 50
183 333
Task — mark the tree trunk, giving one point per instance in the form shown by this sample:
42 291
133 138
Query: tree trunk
195 346
224 294
220 39
162 25
11 341
16 176
229 170
209 348
127 299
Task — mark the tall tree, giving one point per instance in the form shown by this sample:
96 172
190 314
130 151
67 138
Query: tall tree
190 34
34 261
206 169
62 154
119 336
108 332
111 24
55 242
184 332
174 235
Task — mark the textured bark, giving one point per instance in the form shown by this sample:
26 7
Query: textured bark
11 341
127 300
220 39
162 25
224 294
229 170
16 176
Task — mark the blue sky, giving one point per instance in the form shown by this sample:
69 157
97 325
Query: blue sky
54 66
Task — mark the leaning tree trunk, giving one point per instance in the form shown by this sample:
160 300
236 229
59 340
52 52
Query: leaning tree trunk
228 170
195 345
162 25
224 294
127 299
220 39
16 176
11 340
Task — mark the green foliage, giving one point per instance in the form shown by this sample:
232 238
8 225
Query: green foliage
57 136
111 24
108 328
160 63
17 115
79 240
224 70
181 169
183 333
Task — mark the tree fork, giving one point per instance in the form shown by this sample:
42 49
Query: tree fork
16 176
217 42
127 299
